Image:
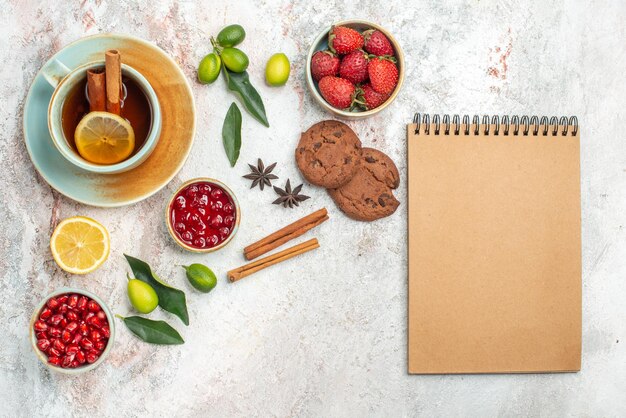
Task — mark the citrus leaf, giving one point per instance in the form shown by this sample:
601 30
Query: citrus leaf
231 133
240 84
170 299
153 332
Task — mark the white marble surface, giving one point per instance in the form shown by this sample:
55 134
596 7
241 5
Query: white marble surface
325 336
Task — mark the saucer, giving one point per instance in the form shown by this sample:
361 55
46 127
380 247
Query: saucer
177 131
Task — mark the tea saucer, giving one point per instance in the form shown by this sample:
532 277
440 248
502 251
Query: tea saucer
177 131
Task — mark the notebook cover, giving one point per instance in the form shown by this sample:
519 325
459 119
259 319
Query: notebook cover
494 253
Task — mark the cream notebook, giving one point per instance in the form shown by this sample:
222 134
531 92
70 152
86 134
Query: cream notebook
494 245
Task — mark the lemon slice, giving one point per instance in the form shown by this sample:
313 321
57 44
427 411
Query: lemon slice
104 138
79 245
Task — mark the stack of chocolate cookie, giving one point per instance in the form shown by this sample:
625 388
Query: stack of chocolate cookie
360 180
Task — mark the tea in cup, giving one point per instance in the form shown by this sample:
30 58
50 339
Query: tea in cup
81 136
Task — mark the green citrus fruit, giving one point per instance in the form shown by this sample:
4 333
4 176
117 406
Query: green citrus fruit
235 59
231 35
277 70
142 296
209 68
201 277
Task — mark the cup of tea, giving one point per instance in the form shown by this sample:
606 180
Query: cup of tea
70 103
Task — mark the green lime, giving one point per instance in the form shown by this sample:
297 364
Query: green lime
142 296
277 70
201 277
231 35
235 59
209 68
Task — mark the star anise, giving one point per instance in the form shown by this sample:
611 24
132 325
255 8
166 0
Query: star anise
289 197
261 175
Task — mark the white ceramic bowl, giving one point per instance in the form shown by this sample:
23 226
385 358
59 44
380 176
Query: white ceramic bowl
321 43
170 227
44 358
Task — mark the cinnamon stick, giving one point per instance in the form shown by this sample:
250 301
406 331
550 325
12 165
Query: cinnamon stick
248 269
96 90
285 234
113 71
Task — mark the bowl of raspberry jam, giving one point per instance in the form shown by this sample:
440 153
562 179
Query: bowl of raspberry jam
72 331
203 215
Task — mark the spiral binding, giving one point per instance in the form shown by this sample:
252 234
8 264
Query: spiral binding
529 125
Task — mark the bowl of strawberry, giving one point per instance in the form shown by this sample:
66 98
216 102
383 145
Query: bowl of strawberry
72 331
355 69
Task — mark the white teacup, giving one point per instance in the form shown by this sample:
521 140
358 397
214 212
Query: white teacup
64 80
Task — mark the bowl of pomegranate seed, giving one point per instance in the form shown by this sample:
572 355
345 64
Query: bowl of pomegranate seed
202 215
72 331
355 69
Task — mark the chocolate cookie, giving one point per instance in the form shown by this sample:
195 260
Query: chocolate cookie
368 195
328 153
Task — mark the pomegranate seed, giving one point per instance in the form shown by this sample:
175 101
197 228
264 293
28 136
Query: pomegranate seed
86 344
106 332
40 326
43 344
52 303
46 313
94 322
192 191
91 357
82 303
77 337
72 349
58 344
71 327
54 332
55 319
67 361
53 352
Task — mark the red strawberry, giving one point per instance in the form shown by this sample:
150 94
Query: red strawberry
353 67
376 43
343 40
324 63
370 97
383 75
337 91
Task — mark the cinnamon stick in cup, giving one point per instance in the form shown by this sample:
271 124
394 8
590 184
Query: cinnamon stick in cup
248 269
96 90
285 234
113 71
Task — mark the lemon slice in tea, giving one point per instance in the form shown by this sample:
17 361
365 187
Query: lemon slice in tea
79 245
104 138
